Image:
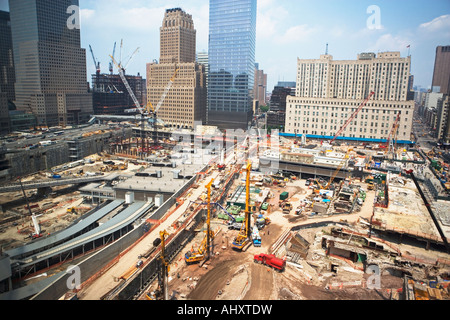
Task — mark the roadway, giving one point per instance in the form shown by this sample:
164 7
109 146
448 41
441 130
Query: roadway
105 283
52 183
68 135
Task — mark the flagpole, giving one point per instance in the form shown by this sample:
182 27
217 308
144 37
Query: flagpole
409 50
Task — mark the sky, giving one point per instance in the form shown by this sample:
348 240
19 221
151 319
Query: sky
286 30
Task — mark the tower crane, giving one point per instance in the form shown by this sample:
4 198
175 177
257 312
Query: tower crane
349 120
158 106
97 67
152 110
244 236
111 63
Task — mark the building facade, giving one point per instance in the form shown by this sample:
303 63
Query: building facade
185 103
441 74
276 116
232 38
110 96
328 92
260 86
50 63
7 73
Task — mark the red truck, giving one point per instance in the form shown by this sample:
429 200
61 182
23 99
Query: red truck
271 261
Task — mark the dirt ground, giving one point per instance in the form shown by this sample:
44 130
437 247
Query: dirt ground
232 275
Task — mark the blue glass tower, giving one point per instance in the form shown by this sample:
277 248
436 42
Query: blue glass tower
232 37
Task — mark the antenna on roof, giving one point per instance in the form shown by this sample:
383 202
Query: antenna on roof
326 51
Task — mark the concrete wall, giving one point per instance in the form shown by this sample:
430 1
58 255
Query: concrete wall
97 261
32 161
43 158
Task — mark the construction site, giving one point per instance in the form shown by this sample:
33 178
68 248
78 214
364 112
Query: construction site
157 217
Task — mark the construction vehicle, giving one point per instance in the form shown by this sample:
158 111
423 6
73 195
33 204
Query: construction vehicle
349 120
287 208
203 252
244 236
271 261
72 210
163 275
262 221
256 238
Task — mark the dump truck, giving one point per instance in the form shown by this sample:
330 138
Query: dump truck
271 261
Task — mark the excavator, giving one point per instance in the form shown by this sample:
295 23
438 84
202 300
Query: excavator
244 237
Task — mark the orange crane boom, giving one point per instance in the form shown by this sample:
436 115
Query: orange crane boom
352 117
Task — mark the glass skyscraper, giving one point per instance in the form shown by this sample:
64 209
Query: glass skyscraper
232 37
49 62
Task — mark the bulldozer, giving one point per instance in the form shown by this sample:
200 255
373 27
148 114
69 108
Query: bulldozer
72 210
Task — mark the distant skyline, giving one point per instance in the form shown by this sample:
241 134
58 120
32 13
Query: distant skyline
286 29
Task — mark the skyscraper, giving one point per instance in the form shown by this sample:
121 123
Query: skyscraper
7 75
232 37
185 103
260 86
441 75
50 63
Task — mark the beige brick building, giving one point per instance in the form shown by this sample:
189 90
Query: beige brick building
185 103
329 91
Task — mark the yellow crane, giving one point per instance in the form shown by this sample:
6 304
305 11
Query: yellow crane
205 246
244 236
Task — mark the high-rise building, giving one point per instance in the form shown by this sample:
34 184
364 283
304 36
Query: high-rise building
177 37
202 58
441 75
276 116
185 103
7 75
50 63
329 91
260 86
232 38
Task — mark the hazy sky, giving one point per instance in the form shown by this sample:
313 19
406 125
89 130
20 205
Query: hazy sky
286 29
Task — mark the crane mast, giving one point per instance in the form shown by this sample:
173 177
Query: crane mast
97 67
244 236
164 270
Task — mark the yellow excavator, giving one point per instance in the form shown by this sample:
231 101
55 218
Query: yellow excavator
244 236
